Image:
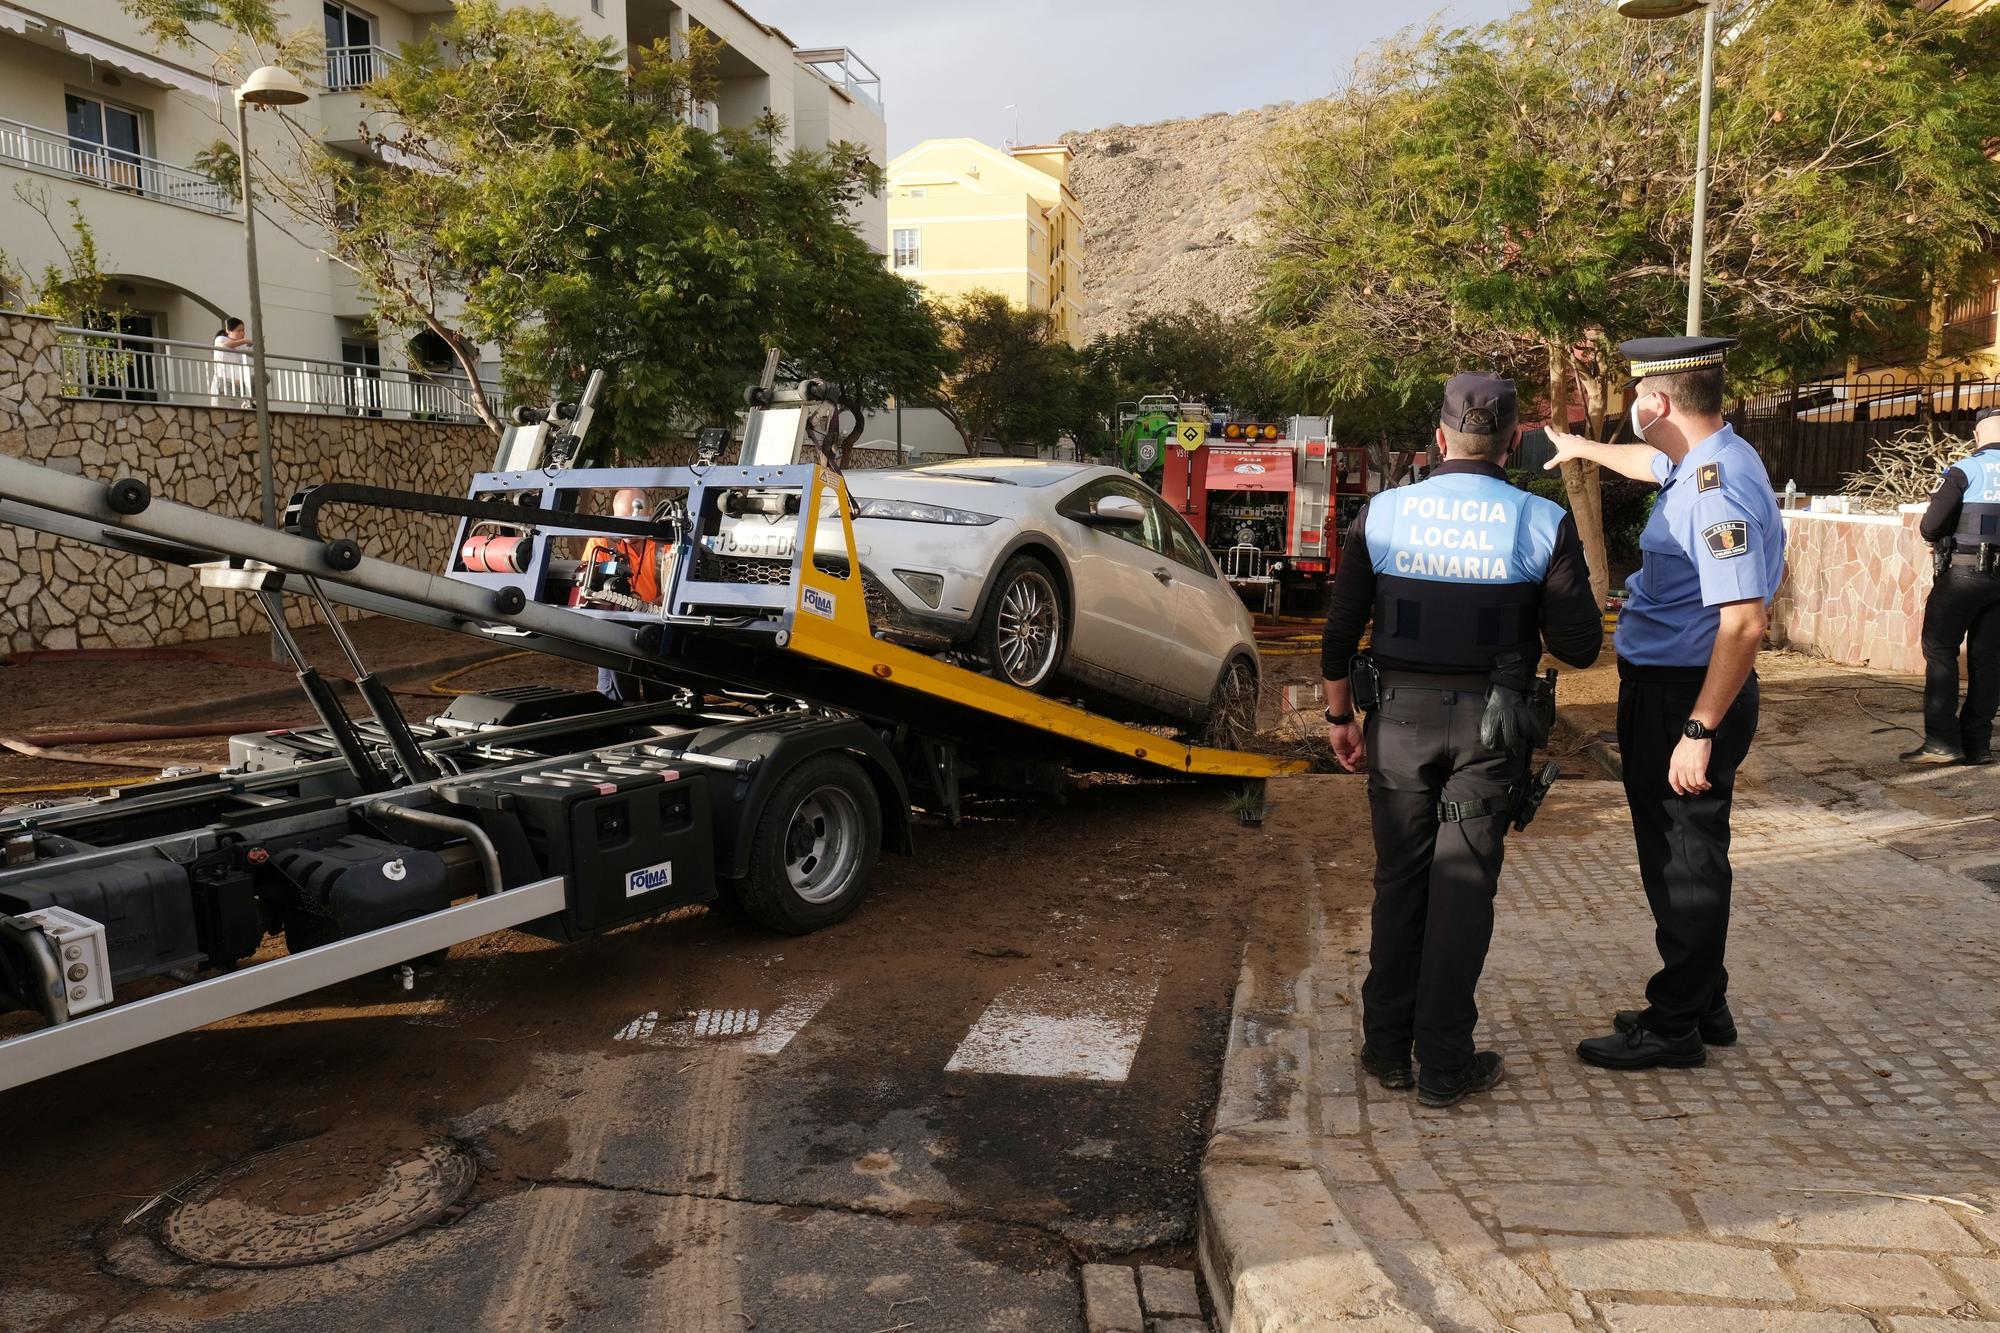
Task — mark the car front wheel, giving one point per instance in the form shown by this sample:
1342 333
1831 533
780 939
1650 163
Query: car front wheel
1021 634
1232 709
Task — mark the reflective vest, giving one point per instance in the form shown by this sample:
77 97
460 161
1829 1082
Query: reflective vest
1979 512
1459 564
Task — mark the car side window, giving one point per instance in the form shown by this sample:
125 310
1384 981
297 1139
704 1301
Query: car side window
1187 548
1150 534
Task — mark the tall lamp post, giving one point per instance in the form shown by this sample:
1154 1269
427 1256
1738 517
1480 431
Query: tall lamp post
1648 11
267 87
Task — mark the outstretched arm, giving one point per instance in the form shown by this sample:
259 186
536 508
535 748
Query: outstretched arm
1627 460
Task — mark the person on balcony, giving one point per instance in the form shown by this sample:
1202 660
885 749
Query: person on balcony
232 364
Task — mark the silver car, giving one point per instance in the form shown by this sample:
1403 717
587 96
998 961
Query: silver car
1054 572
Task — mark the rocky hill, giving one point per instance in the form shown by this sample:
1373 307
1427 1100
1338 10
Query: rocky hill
1170 213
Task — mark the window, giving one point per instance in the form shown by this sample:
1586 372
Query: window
597 7
104 141
907 248
1150 534
1187 548
350 47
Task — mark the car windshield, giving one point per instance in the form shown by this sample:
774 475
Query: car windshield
1005 472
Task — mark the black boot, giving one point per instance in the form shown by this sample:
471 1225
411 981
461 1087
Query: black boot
1390 1071
1450 1089
1643 1049
1932 752
1717 1026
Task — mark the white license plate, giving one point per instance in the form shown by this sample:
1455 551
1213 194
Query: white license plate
762 543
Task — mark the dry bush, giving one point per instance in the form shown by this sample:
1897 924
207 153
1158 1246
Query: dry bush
1904 469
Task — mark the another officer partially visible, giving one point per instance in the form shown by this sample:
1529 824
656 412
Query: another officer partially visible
1463 576
1963 525
1713 553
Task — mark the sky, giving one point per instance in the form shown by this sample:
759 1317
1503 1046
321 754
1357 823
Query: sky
950 67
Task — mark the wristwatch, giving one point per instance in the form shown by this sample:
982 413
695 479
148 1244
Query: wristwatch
1334 719
1695 731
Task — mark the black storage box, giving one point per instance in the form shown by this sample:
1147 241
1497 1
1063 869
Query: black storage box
143 903
356 885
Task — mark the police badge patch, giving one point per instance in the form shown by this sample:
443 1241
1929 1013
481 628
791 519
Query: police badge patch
1728 540
1709 478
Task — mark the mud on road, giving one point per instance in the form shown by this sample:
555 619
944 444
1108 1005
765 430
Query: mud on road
926 1117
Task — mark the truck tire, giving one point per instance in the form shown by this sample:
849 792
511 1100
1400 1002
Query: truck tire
1021 636
815 846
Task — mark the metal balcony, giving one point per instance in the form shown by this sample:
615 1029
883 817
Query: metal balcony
349 68
845 71
58 154
123 368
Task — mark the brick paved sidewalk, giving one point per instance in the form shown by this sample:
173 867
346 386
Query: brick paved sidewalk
1758 1192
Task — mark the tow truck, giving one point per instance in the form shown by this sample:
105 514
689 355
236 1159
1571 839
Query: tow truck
779 748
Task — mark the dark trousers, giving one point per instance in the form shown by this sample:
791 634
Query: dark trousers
1964 609
1434 882
1683 841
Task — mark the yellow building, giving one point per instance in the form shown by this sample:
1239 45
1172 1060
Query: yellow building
965 216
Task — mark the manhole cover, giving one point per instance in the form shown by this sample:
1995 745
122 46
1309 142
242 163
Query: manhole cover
317 1199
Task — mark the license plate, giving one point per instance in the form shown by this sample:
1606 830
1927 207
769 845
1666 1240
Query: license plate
761 543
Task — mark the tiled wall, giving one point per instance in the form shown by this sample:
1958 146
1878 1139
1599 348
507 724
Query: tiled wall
1854 589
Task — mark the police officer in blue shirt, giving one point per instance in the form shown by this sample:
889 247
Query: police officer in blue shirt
1963 524
1463 576
1712 555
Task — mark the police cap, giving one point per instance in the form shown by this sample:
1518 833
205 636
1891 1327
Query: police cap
1671 356
1984 415
1478 404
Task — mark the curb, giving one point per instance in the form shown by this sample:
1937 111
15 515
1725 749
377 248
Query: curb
1276 1251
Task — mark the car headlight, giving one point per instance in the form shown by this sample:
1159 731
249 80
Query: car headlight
912 511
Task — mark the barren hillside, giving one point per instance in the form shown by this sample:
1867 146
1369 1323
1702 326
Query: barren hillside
1169 213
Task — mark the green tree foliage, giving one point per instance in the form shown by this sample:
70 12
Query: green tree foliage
1520 196
1196 354
1011 380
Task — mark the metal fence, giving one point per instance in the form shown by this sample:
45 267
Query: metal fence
1816 434
352 67
124 368
112 168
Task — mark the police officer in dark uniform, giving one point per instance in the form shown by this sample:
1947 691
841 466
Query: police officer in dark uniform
1463 577
1963 525
1712 554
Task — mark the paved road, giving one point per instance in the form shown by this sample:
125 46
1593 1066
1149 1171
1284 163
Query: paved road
925 1118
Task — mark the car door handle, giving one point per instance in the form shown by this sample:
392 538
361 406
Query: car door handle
1163 575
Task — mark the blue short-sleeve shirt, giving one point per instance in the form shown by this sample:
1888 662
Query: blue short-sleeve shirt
1715 537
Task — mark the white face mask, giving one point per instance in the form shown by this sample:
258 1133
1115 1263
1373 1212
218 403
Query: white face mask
1637 429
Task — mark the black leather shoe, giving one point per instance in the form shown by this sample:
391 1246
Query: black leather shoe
1930 752
1977 758
1390 1072
1717 1026
1481 1074
1641 1049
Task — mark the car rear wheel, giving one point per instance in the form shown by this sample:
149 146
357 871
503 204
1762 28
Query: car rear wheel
1021 635
1232 709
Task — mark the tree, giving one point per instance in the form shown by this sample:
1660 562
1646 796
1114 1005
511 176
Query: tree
531 187
1194 353
1519 196
1010 378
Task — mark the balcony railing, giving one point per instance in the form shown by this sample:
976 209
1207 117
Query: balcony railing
352 67
845 71
112 168
122 368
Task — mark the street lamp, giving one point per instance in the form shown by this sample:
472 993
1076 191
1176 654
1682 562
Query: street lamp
1649 11
270 86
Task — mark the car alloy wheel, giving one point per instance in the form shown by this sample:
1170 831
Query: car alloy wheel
1232 710
1030 629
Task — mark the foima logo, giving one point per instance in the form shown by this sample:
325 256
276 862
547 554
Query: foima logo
817 602
647 879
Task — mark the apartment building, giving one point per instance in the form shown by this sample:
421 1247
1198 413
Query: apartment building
965 216
91 111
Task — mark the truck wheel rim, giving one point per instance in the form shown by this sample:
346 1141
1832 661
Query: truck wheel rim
823 844
1030 619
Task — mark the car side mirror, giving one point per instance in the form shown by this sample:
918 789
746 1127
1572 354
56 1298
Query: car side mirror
1116 511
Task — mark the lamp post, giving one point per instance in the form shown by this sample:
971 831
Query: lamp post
1649 11
270 86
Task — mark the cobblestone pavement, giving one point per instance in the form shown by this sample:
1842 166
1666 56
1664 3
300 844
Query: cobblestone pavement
1837 1172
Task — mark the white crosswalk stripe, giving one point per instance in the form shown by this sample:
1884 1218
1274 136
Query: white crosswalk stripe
1062 1025
749 1029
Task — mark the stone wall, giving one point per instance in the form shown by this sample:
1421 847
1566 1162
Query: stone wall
1854 589
63 594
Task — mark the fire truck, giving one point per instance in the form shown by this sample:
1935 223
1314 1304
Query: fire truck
1272 501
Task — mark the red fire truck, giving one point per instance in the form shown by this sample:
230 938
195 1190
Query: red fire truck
1272 501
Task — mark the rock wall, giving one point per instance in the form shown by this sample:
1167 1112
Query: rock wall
1170 214
1854 589
63 594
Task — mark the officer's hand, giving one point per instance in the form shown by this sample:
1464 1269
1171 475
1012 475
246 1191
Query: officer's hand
1567 447
1350 748
1687 771
1507 725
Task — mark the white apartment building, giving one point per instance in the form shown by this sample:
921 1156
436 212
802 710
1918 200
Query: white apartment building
91 111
